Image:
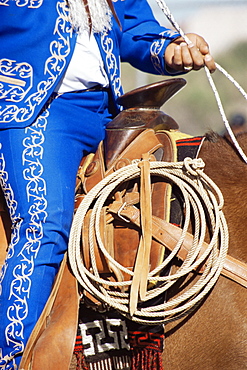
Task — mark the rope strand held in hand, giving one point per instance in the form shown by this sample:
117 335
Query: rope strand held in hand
172 20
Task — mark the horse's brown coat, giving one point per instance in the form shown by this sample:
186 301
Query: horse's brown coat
215 336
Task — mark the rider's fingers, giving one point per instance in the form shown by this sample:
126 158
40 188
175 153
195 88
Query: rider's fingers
197 59
196 56
187 59
177 60
210 63
183 57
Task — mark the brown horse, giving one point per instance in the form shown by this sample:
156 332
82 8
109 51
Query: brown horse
215 336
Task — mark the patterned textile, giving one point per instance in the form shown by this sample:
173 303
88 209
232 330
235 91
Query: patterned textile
188 147
104 340
147 348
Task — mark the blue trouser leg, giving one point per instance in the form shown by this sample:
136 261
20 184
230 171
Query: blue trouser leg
38 168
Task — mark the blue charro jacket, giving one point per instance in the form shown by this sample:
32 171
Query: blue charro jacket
37 42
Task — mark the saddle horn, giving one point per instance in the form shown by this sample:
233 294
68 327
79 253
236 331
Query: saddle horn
141 111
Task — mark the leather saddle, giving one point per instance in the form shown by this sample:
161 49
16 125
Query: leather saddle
136 134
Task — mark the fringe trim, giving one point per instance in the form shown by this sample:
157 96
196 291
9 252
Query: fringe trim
141 359
100 15
146 350
80 361
146 359
114 363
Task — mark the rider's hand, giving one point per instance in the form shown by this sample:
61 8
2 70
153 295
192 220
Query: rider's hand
181 57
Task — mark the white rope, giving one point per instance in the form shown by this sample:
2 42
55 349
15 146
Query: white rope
199 192
172 20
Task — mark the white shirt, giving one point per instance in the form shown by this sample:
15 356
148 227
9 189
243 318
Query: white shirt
86 68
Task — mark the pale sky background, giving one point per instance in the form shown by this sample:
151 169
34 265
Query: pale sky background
223 24
182 8
220 22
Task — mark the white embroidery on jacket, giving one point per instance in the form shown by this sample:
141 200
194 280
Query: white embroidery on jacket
21 3
15 237
156 48
54 66
112 64
22 274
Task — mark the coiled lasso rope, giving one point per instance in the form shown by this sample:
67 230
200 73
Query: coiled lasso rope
172 20
199 193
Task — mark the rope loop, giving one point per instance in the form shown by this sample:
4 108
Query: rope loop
194 166
201 197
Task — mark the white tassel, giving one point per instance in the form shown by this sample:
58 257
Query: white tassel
100 15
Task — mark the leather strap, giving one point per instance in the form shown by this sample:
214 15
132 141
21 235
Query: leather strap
141 269
56 327
111 6
146 220
5 229
123 242
168 235
88 14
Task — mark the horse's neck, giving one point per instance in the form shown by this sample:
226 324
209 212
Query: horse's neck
225 167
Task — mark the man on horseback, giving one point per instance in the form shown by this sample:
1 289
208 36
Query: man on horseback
59 78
